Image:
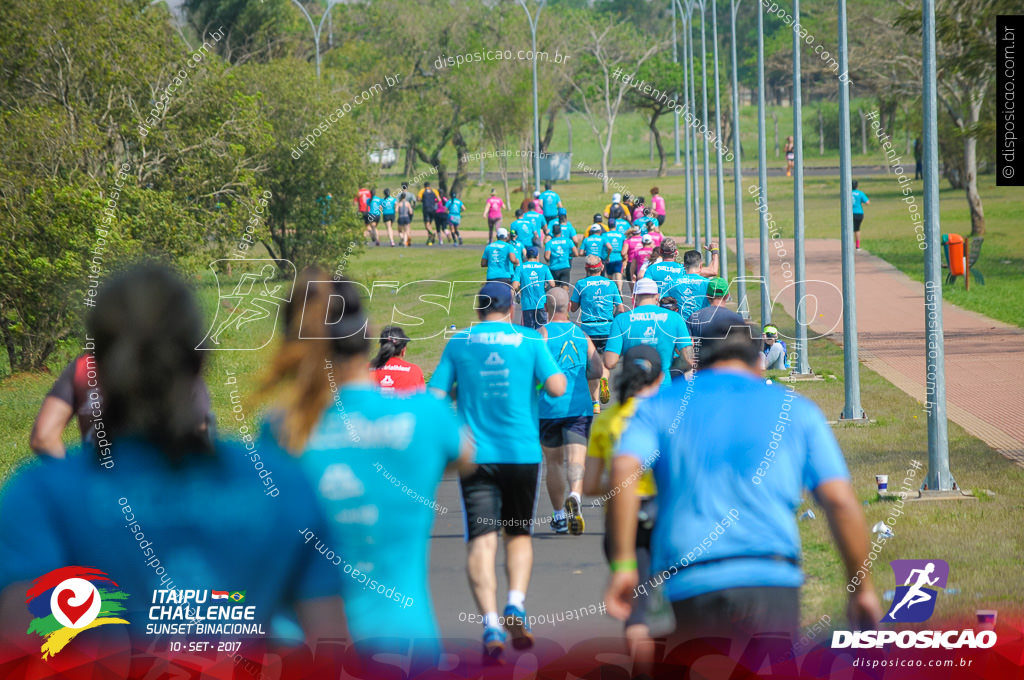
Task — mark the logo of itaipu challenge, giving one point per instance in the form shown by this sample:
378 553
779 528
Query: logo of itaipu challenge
914 601
67 601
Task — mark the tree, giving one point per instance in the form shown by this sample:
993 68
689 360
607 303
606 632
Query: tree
667 77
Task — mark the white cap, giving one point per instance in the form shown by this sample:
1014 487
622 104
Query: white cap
645 287
647 239
502 232
594 228
536 194
616 198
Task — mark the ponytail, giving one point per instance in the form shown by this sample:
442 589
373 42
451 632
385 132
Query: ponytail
393 341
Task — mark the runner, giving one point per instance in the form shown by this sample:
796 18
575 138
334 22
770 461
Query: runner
860 199
441 220
640 257
714 479
429 198
612 255
638 209
390 369
388 213
668 270
658 205
537 223
790 155
362 202
565 420
550 202
455 208
593 244
533 279
405 210
654 231
523 230
173 489
649 324
375 459
634 241
639 378
567 227
373 213
614 210
690 289
598 301
495 368
559 252
492 212
500 259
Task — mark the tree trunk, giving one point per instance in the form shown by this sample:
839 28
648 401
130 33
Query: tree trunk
775 119
605 153
656 136
863 133
971 171
461 166
821 133
410 161
549 132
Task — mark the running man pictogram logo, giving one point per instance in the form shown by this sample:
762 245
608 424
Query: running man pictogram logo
247 316
914 601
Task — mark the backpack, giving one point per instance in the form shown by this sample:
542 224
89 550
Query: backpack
429 200
615 212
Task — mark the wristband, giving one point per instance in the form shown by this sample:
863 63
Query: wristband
623 565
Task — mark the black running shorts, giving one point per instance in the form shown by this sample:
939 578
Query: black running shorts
500 496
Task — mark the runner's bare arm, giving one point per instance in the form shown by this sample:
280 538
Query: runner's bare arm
850 531
48 429
555 385
592 473
483 261
611 359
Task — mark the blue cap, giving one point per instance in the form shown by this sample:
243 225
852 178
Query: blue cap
532 251
562 211
499 294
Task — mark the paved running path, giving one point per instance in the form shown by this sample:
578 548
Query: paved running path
984 357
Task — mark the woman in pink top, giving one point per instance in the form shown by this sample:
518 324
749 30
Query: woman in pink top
658 203
493 214
640 256
638 209
654 231
632 244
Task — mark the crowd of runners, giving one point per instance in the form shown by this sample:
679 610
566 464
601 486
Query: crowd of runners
524 394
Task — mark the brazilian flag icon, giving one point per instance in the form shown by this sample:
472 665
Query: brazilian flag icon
237 595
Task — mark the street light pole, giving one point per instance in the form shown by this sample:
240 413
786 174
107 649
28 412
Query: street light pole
689 170
704 117
533 19
851 367
316 28
723 260
691 130
939 476
742 305
762 173
803 366
675 60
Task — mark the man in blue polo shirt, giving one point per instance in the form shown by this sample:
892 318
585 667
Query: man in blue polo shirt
534 278
726 550
500 258
559 252
598 301
612 254
649 324
495 368
550 202
689 289
594 243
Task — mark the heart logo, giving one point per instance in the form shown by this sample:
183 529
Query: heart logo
73 612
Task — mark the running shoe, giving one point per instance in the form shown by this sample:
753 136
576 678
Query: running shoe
606 394
559 524
518 627
597 408
460 240
494 642
574 514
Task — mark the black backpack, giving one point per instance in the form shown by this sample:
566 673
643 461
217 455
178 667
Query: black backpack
615 212
429 200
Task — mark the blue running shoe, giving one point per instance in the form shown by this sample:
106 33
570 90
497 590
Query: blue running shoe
518 627
494 642
559 524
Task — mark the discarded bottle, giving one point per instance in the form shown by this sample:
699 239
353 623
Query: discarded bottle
808 514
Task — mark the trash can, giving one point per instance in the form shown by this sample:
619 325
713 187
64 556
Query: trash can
953 244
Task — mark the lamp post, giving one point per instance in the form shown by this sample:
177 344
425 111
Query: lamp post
675 60
803 366
762 173
692 132
689 183
316 28
723 261
704 117
742 305
533 19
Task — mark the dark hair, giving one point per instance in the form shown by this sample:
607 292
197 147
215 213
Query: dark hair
373 192
393 341
739 343
426 184
854 184
655 190
148 330
519 212
669 302
387 192
556 229
691 258
641 367
547 185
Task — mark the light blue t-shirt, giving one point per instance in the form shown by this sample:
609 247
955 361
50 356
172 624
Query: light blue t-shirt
597 298
387 206
859 199
704 466
643 222
455 207
615 239
568 345
499 266
664 274
496 367
549 201
210 521
375 206
560 248
593 245
622 225
520 250
690 291
569 230
376 461
532 279
523 229
535 219
652 325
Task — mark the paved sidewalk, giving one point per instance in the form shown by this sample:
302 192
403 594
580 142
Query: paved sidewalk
984 357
